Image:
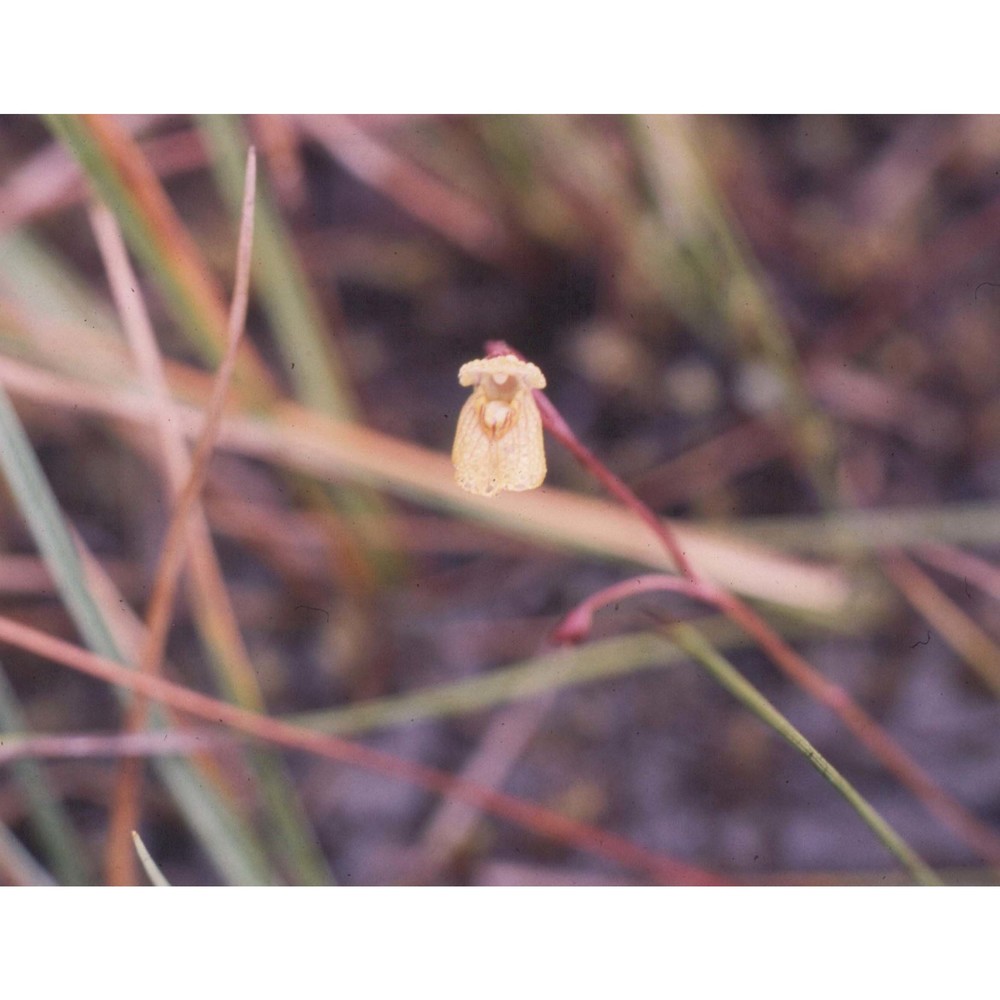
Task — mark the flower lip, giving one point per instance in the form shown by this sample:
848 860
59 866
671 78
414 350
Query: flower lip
499 441
529 375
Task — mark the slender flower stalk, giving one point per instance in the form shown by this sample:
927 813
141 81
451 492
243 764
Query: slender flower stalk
576 626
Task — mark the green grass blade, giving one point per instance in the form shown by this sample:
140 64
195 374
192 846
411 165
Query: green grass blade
66 851
39 508
562 668
122 177
296 316
853 532
192 308
697 646
32 274
725 272
597 661
227 839
549 672
291 833
43 278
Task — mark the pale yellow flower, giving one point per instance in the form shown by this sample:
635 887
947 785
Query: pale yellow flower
498 441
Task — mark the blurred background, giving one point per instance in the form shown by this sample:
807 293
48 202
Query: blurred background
783 331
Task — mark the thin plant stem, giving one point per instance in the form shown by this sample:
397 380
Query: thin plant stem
536 818
300 440
126 181
308 349
52 826
23 746
691 640
310 352
214 613
222 831
455 216
938 802
561 431
149 866
537 677
681 182
577 624
119 857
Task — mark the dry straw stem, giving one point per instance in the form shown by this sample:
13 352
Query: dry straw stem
122 174
222 832
854 532
149 866
306 339
532 817
455 216
963 566
296 438
217 620
293 437
597 661
213 607
51 180
174 546
119 857
957 629
509 733
129 633
301 330
76 746
328 449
